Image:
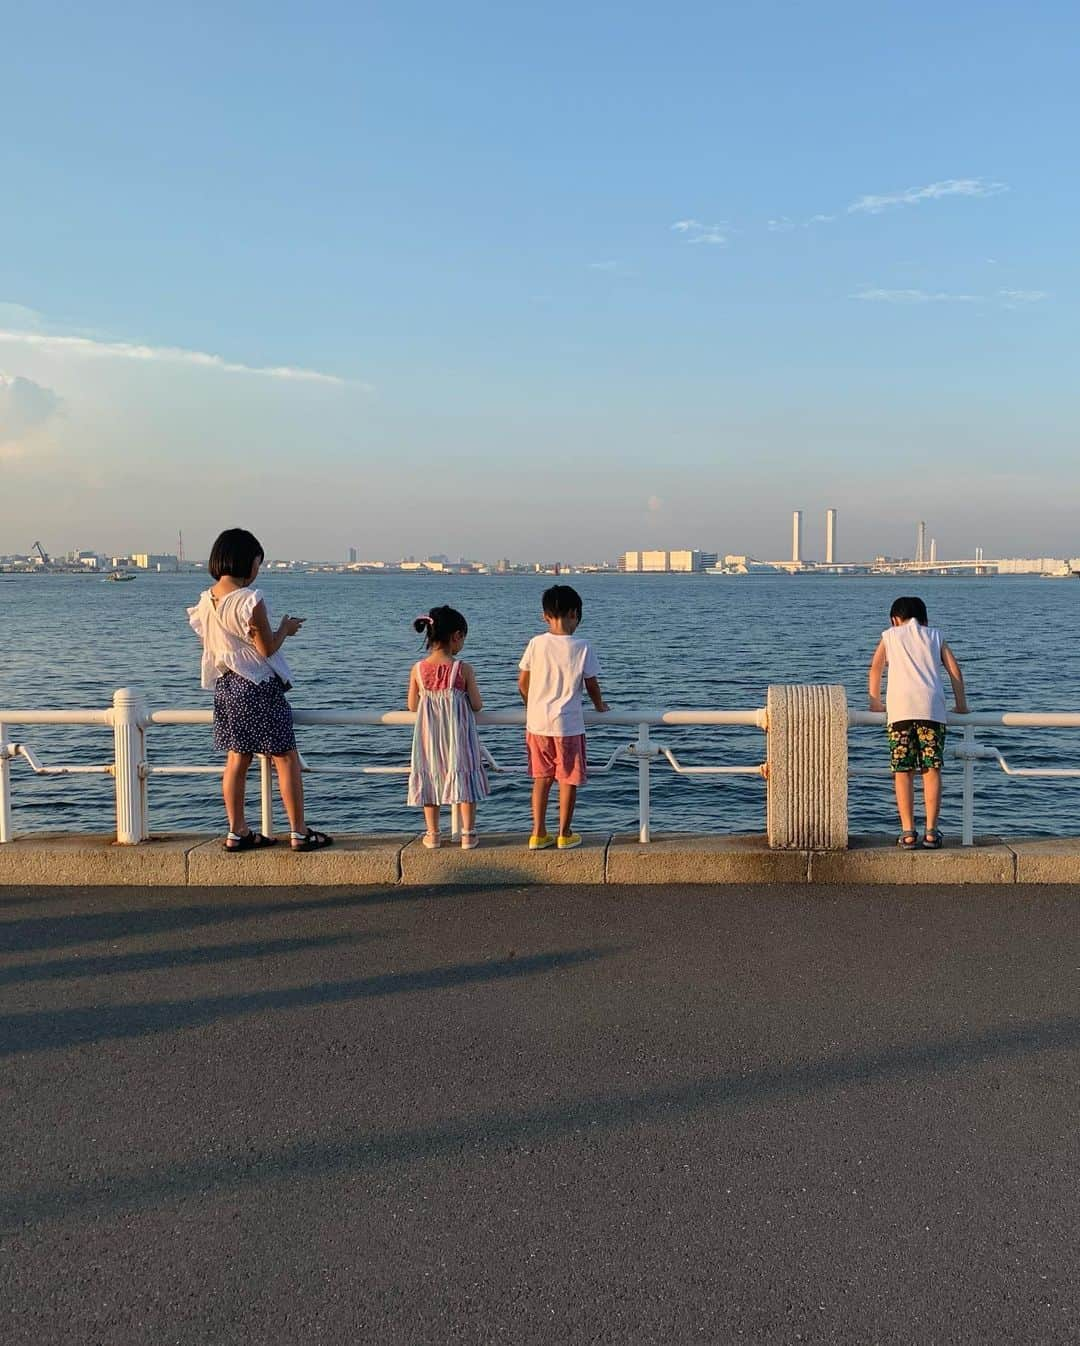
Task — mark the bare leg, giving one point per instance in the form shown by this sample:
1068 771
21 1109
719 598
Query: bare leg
540 791
567 800
431 818
233 784
291 785
904 782
468 817
931 788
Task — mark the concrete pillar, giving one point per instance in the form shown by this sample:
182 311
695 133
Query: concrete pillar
129 739
808 768
830 537
796 536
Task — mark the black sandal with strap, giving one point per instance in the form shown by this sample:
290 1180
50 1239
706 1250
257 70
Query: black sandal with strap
908 841
251 841
312 841
934 845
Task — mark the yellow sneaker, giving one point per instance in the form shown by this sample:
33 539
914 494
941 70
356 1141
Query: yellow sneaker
568 843
541 843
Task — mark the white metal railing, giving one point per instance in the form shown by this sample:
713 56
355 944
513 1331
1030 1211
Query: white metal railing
130 719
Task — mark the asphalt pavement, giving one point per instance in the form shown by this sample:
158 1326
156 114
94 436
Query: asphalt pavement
540 1115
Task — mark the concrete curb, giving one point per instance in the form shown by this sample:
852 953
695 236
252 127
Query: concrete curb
194 860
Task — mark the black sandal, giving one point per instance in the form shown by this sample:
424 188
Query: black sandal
312 841
908 841
934 845
251 841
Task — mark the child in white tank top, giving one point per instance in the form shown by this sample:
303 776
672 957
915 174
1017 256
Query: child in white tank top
914 652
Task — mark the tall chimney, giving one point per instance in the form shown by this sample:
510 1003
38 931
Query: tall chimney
796 536
830 537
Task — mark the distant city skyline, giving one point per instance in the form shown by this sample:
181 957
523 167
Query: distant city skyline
493 282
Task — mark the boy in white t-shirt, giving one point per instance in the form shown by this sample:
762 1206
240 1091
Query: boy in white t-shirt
554 669
914 652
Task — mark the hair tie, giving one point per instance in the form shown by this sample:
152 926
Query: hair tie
425 617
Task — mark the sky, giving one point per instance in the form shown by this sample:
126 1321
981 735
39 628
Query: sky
539 281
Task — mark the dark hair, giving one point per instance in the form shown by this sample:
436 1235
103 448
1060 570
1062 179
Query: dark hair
234 554
907 608
441 625
561 601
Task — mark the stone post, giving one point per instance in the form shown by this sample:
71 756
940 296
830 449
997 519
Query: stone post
808 768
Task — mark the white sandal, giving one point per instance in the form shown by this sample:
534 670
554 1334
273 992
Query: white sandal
432 841
469 840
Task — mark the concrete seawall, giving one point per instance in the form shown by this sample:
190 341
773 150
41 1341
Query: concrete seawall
198 860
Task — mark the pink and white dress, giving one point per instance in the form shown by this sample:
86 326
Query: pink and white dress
446 767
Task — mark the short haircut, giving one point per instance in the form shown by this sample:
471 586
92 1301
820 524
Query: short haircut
561 601
234 554
440 626
908 608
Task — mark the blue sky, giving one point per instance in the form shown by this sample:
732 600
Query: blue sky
547 281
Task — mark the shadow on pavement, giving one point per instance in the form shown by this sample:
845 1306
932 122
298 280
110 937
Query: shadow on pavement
349 1152
51 1030
26 933
153 960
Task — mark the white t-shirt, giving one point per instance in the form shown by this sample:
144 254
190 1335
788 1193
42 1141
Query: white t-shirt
913 688
227 643
557 667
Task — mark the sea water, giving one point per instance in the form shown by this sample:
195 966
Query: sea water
664 641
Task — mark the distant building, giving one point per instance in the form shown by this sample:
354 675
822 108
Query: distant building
682 562
143 560
352 556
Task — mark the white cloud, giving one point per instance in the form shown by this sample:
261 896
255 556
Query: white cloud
781 225
820 219
18 315
25 406
693 231
124 350
1023 296
603 266
913 297
934 191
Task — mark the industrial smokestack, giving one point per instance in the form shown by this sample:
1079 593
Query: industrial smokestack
796 536
830 537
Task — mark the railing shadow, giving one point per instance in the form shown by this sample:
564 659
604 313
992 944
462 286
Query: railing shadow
53 1030
350 1152
155 960
23 934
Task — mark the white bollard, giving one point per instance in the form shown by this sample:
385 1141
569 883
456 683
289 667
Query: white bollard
807 765
5 788
129 766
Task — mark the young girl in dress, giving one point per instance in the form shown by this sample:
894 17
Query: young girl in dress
446 764
243 666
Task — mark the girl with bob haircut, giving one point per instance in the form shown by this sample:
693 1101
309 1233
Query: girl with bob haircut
243 666
446 764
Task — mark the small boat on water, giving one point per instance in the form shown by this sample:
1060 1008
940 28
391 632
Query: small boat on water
120 577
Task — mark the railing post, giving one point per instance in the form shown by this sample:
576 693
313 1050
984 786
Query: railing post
129 766
5 788
967 820
266 796
644 756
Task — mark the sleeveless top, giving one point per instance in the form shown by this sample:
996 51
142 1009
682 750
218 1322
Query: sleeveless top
913 688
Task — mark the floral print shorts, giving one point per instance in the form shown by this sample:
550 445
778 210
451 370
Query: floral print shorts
916 745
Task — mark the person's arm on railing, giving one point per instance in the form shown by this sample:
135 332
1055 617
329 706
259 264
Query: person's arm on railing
268 642
956 678
592 686
472 691
877 668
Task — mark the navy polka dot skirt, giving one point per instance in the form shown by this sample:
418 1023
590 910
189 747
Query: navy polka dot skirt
252 716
